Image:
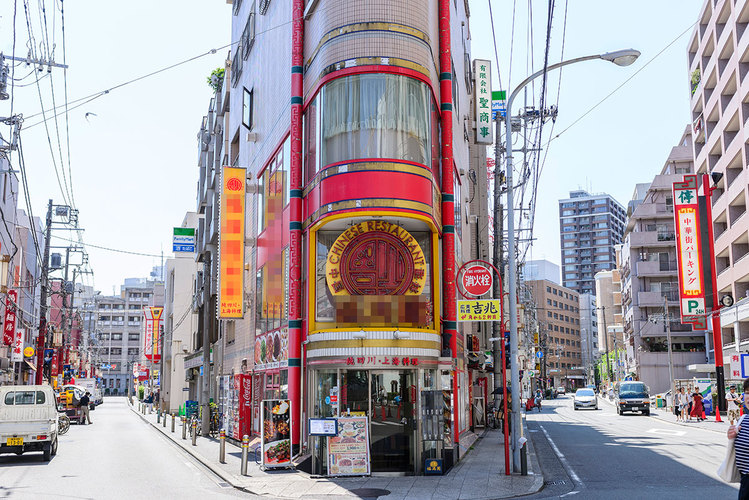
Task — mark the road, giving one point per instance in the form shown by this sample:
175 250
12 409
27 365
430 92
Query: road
599 454
118 456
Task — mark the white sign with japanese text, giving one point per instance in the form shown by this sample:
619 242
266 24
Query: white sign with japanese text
483 100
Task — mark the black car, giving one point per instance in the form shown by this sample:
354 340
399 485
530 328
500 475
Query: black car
632 396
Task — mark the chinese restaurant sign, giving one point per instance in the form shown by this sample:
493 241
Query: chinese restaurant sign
151 341
483 93
348 452
9 328
231 243
17 354
479 310
376 258
688 251
382 361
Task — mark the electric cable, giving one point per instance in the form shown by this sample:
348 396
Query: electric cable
109 249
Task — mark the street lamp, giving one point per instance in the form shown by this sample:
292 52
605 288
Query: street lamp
620 58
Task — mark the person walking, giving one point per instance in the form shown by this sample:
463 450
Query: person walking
684 404
733 403
697 408
85 410
740 435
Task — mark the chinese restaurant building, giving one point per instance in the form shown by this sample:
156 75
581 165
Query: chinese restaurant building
355 129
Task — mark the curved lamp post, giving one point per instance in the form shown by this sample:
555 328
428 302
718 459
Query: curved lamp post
620 58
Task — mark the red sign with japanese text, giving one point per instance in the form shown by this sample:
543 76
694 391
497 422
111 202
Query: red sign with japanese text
9 326
152 340
477 280
688 253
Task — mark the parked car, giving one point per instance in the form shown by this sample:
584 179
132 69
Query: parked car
28 419
561 390
585 398
632 396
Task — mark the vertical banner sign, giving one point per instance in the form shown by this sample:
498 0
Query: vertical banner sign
17 355
483 93
276 437
151 340
231 243
688 252
9 328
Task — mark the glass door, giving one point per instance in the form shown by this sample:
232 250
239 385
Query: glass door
393 395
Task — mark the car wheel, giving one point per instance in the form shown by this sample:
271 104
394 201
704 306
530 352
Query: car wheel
596 407
47 452
646 413
618 411
576 408
54 447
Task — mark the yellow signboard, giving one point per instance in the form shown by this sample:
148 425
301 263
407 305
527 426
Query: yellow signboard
479 310
231 243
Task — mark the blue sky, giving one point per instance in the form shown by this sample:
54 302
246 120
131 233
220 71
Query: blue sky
134 163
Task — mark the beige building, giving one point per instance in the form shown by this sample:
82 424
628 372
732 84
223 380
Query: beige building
717 56
559 333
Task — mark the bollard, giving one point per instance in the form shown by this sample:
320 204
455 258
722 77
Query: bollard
184 428
144 409
172 423
245 446
194 432
523 456
222 447
163 421
158 416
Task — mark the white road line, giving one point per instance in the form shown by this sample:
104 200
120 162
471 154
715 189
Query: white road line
667 432
562 458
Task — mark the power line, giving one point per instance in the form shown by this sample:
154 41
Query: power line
109 249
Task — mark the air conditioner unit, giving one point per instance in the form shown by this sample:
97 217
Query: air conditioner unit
251 136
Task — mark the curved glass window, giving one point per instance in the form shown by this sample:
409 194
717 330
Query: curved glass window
375 116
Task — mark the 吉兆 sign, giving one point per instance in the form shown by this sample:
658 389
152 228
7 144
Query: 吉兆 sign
479 310
183 239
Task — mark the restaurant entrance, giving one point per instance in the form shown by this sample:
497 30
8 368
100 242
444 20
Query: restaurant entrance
392 395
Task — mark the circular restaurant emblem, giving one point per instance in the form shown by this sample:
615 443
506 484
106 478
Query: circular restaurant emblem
233 184
28 352
477 280
376 258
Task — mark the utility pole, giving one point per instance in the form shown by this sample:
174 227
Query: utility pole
499 328
205 422
667 329
606 342
41 339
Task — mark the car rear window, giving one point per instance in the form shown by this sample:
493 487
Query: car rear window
24 398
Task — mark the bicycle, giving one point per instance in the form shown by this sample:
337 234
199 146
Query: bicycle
63 424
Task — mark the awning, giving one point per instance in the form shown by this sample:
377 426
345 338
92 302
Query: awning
31 365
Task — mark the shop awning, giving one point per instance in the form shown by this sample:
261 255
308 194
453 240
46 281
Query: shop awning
30 364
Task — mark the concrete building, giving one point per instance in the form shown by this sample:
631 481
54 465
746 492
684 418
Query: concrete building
541 270
559 334
180 324
119 332
609 317
590 226
589 334
717 69
650 285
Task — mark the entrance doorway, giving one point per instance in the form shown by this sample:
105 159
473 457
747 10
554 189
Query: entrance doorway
392 404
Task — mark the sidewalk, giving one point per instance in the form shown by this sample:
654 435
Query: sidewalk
480 475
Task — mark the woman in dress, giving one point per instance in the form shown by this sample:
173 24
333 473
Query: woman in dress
697 410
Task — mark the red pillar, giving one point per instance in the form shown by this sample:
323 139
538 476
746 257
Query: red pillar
449 325
717 334
295 220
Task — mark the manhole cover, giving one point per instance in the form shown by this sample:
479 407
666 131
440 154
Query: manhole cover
370 492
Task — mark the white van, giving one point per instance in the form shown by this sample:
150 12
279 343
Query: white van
28 419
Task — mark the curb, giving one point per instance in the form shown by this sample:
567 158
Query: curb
533 465
660 415
218 472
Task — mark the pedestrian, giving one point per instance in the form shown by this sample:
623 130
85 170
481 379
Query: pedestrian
740 434
149 401
677 404
733 403
697 409
85 410
683 404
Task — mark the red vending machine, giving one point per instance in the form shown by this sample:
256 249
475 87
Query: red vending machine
245 404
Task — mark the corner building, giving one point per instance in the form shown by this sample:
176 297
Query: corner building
355 126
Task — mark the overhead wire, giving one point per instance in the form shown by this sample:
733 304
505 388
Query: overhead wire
110 249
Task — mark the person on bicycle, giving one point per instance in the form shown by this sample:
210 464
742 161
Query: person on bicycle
537 399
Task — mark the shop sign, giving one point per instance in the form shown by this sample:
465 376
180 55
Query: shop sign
348 452
433 467
376 258
231 243
382 361
183 239
483 92
17 355
9 328
151 341
28 352
477 280
688 252
480 310
323 426
272 350
276 436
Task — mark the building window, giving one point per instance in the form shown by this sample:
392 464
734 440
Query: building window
133 337
260 196
132 351
247 108
116 336
548 289
236 66
248 35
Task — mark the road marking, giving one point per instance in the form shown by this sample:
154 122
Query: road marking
562 458
574 492
667 432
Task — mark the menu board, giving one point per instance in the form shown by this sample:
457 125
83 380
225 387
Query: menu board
272 350
322 427
348 452
276 435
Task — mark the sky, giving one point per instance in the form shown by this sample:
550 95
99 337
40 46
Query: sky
133 158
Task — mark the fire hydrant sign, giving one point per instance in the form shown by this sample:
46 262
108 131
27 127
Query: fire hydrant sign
479 310
688 252
477 280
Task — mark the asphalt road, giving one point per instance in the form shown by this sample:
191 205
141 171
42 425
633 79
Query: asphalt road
599 454
118 456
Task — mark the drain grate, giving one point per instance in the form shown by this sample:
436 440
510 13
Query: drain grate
224 485
370 492
555 483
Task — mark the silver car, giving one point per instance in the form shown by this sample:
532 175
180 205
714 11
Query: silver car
585 398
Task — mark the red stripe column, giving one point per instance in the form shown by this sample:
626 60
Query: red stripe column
295 220
449 324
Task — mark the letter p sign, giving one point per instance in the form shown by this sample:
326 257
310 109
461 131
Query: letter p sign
693 306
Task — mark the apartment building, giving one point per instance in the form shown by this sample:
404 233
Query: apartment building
558 313
590 226
649 277
589 334
717 57
609 317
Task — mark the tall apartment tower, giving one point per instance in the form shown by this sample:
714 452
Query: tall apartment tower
590 225
717 69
